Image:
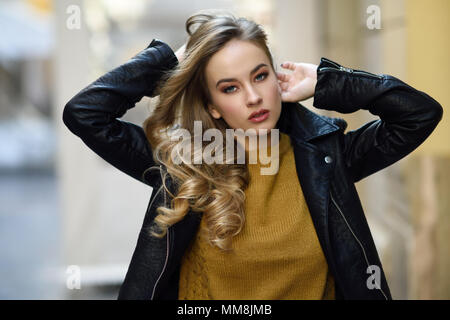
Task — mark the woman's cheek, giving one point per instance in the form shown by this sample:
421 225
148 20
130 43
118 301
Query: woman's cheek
273 89
228 108
232 104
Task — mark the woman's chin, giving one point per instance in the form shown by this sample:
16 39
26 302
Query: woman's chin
264 130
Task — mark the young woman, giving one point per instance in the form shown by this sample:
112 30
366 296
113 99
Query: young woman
223 230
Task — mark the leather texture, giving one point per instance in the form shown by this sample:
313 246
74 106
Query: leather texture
328 161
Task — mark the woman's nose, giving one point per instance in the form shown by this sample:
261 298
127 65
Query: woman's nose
253 97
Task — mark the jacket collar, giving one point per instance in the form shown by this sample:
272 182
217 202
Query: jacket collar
303 124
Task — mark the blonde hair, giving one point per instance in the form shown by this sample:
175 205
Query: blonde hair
217 190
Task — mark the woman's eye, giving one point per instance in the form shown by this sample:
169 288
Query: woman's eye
226 89
262 74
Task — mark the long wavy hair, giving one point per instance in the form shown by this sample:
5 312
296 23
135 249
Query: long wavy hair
216 190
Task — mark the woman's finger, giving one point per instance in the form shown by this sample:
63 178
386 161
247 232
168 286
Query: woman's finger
281 76
288 65
284 77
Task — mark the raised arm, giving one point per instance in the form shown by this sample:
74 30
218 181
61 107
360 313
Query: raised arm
407 116
92 113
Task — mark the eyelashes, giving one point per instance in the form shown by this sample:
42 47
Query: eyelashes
265 74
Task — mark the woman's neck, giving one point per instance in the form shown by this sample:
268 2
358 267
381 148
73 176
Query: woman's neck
259 144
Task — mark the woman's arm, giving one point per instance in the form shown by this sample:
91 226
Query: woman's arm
407 116
92 113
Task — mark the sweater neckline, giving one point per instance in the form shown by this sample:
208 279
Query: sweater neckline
284 144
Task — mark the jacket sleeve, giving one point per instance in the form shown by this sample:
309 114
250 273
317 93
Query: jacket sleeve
92 113
407 116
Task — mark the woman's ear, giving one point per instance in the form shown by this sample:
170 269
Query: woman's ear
213 111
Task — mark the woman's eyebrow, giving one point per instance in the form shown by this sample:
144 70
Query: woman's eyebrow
233 79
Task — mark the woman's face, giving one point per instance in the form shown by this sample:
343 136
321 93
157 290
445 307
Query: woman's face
241 81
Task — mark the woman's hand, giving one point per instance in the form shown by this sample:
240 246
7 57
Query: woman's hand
300 83
180 53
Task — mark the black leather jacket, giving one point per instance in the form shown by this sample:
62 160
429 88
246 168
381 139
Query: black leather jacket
328 163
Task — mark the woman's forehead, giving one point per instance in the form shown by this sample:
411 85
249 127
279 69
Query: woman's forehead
236 59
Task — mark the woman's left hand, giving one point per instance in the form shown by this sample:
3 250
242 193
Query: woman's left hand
300 83
180 52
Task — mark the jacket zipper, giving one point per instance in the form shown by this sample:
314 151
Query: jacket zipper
167 248
349 70
363 73
165 264
159 190
359 242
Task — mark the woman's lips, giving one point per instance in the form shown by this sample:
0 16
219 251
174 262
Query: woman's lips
261 117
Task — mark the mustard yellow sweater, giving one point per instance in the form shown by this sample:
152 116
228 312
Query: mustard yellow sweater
276 256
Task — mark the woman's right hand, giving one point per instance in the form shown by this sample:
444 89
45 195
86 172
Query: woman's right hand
180 52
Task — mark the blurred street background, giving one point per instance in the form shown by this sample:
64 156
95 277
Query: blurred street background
69 221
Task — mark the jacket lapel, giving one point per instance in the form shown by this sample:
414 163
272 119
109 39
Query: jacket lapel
314 173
